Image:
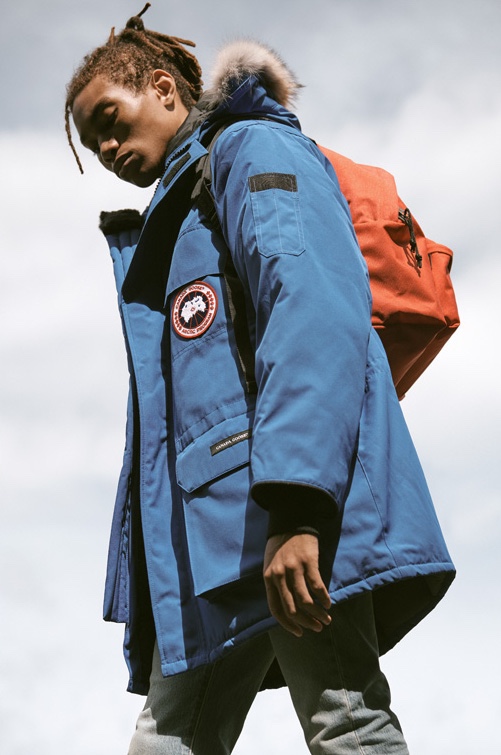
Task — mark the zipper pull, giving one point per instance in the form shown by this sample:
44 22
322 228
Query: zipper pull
406 217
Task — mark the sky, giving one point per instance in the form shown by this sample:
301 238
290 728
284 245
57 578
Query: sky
410 86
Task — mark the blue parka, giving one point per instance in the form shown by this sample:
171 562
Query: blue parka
188 537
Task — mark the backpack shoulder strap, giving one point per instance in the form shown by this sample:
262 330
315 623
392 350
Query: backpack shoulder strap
202 191
202 196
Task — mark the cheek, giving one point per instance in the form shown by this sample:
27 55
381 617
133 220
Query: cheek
155 147
148 134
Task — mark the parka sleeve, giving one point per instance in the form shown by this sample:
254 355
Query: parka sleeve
290 234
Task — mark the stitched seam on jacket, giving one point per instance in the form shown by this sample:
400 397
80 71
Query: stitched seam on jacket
195 343
205 417
378 511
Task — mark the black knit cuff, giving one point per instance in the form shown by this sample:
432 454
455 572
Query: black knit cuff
294 508
120 220
293 520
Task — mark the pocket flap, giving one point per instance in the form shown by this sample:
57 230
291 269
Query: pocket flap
198 252
221 449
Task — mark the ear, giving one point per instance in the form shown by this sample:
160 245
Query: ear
165 86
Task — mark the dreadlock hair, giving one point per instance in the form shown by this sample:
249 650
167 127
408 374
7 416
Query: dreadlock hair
129 58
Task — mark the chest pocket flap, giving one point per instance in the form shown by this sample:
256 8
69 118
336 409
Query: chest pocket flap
198 252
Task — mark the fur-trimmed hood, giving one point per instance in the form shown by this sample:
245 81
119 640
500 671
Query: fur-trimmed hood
243 58
248 80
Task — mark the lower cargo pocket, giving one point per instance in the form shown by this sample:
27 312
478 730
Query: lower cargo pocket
225 528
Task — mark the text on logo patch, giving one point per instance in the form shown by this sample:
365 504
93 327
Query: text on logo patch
194 310
231 441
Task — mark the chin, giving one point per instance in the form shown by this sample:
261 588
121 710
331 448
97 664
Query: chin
142 176
141 180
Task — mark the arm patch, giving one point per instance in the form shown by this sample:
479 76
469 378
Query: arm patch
264 181
276 214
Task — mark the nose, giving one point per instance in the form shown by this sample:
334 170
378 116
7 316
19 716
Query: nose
108 150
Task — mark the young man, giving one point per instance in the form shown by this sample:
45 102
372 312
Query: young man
264 436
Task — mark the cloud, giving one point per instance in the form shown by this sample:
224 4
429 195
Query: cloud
58 308
63 400
411 91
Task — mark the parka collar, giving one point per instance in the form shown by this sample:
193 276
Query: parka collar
248 79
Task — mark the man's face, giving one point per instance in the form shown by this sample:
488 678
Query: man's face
129 131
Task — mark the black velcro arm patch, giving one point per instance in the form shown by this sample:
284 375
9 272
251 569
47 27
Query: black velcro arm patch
263 181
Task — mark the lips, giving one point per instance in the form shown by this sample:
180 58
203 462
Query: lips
120 165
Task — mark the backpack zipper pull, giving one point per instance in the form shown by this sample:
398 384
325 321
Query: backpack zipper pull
406 217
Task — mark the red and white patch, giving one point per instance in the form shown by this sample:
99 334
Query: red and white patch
194 310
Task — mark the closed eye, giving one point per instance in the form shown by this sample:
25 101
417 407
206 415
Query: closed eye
104 128
106 124
109 120
97 126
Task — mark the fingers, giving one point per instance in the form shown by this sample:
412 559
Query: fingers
284 616
292 603
317 588
311 599
296 594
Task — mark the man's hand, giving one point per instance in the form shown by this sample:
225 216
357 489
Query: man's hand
296 594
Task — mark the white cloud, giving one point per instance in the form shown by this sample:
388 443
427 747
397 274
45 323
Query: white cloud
63 380
63 396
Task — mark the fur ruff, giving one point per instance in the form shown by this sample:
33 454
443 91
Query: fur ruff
120 220
244 58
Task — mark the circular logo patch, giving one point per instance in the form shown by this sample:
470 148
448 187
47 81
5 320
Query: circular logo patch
194 310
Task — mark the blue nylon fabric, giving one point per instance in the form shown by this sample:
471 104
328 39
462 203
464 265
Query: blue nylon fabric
116 590
326 414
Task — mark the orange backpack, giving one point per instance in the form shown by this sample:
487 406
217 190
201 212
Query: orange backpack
414 308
